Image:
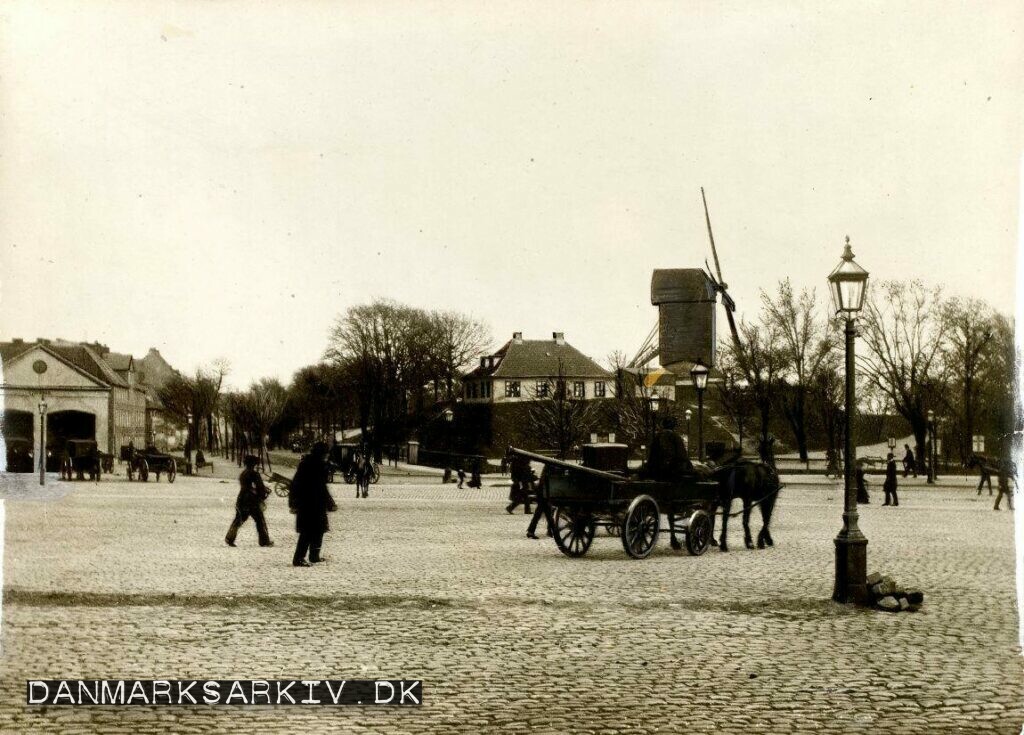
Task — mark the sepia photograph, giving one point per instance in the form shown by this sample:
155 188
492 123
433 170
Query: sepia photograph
447 367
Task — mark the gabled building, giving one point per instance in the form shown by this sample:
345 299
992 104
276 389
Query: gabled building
534 369
90 393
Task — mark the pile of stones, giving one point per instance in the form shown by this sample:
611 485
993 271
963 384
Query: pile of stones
889 596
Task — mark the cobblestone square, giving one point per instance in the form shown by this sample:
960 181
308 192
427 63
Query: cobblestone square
121 579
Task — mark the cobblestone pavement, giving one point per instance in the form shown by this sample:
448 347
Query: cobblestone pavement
127 580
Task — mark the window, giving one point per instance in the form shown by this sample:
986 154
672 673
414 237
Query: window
511 389
541 390
485 389
599 389
579 389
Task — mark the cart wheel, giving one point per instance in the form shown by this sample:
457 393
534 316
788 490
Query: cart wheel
640 529
614 529
375 477
281 490
350 478
574 531
144 471
172 470
698 533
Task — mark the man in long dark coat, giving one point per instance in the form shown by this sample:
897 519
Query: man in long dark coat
667 458
522 481
251 495
310 501
890 484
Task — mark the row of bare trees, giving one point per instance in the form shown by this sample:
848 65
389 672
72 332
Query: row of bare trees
385 364
236 423
196 397
920 351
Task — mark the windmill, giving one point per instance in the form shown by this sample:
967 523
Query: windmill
650 347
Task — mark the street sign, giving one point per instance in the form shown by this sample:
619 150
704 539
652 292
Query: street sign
978 443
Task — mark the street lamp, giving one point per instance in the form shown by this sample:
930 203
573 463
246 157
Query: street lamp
699 373
931 452
689 414
847 285
42 441
449 416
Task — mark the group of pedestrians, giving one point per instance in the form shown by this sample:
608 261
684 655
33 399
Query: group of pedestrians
889 485
524 492
308 498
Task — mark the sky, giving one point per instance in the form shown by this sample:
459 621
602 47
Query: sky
221 180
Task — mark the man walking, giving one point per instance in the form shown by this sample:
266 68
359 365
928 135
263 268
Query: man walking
543 509
252 496
908 461
310 501
522 479
889 486
1006 468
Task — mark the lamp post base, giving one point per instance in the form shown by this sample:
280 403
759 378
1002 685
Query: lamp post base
851 570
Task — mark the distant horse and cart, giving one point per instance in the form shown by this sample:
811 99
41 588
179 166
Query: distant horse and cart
583 498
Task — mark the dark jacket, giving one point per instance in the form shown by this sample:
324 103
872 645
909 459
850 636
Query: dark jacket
890 475
667 458
309 498
251 492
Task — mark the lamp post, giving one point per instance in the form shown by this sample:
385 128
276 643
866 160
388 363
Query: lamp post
188 441
42 441
847 285
699 373
653 415
449 417
689 414
931 447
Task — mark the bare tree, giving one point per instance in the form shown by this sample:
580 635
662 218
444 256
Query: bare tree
735 395
969 327
762 361
559 420
197 397
455 341
634 411
805 345
904 332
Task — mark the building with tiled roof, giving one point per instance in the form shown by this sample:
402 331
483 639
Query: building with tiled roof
532 369
89 392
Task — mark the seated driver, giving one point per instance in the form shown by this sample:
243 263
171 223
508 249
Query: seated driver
667 458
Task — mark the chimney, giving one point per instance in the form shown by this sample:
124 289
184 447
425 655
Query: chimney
559 337
18 341
517 337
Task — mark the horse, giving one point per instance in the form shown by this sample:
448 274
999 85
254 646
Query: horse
988 466
752 482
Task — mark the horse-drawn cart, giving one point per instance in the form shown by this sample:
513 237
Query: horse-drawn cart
80 457
583 498
140 464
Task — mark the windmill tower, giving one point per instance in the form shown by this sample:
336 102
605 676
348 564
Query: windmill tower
686 328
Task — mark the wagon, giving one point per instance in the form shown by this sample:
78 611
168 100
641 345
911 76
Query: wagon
584 498
80 456
281 484
140 464
20 455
